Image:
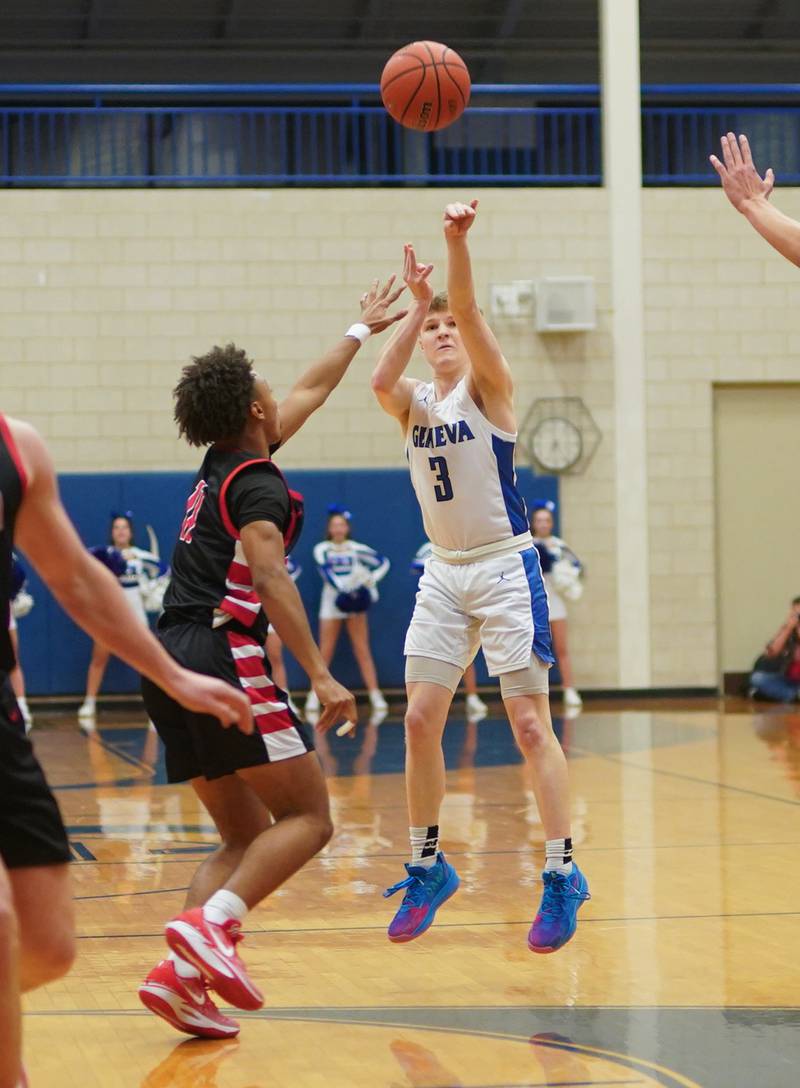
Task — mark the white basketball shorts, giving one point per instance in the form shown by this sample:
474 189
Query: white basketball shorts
498 603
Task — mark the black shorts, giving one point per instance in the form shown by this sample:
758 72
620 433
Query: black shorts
31 829
196 744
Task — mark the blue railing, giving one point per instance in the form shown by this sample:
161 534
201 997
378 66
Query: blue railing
328 135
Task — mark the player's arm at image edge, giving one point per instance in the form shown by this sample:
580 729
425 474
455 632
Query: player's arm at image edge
87 591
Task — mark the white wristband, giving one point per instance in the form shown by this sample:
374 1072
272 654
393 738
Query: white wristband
359 331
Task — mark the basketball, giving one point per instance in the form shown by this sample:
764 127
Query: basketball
425 86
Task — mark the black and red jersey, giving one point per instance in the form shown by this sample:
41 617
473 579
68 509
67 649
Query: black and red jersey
12 489
211 581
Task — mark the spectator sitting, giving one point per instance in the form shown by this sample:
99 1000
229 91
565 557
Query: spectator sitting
776 674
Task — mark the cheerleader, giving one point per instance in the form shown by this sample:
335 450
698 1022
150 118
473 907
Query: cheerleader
562 577
475 706
350 572
136 569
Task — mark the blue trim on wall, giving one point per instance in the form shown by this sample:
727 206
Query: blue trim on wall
55 653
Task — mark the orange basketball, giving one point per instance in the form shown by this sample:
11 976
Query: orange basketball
425 86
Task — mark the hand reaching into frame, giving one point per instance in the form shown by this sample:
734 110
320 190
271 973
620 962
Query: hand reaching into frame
416 275
740 179
458 218
375 304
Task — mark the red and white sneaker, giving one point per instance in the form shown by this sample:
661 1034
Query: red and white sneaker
212 949
184 1003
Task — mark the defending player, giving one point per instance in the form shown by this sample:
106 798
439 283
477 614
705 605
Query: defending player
482 585
749 193
36 915
265 793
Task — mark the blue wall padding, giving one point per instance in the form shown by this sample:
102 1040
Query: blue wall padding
55 653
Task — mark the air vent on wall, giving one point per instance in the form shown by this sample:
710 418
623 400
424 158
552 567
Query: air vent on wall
565 304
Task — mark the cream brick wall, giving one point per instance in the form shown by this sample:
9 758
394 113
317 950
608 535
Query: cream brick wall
103 296
721 306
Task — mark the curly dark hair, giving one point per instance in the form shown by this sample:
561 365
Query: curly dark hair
213 396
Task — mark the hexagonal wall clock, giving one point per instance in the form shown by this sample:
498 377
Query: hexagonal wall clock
559 435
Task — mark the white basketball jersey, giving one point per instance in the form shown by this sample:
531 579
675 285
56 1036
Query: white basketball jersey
462 469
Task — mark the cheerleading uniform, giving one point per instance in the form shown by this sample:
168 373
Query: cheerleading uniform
346 567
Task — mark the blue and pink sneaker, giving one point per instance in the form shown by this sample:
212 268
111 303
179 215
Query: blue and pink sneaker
557 920
427 890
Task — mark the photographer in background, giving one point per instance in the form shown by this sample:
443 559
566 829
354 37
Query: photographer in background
776 674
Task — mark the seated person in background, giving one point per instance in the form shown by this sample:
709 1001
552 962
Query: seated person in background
776 674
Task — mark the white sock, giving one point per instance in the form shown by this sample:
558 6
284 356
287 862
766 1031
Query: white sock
183 969
424 845
224 905
88 703
558 856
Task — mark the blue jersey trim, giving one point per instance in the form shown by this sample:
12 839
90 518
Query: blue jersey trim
542 641
515 504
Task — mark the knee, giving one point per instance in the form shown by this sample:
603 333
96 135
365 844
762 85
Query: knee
50 957
417 726
322 829
61 955
9 931
533 735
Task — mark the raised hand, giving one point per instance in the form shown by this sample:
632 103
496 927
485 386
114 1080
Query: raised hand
458 218
416 275
740 179
376 302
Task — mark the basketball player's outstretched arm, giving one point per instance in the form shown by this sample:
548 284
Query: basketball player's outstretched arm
93 597
749 193
263 548
490 376
314 387
392 389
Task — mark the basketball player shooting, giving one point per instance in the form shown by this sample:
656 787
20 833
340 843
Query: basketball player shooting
482 585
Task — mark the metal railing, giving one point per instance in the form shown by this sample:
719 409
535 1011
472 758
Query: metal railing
330 135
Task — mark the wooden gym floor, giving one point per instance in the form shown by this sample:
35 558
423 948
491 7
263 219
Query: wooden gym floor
685 969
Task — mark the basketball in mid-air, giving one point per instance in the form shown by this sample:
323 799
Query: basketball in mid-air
425 86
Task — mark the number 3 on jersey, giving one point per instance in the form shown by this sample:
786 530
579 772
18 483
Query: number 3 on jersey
443 488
